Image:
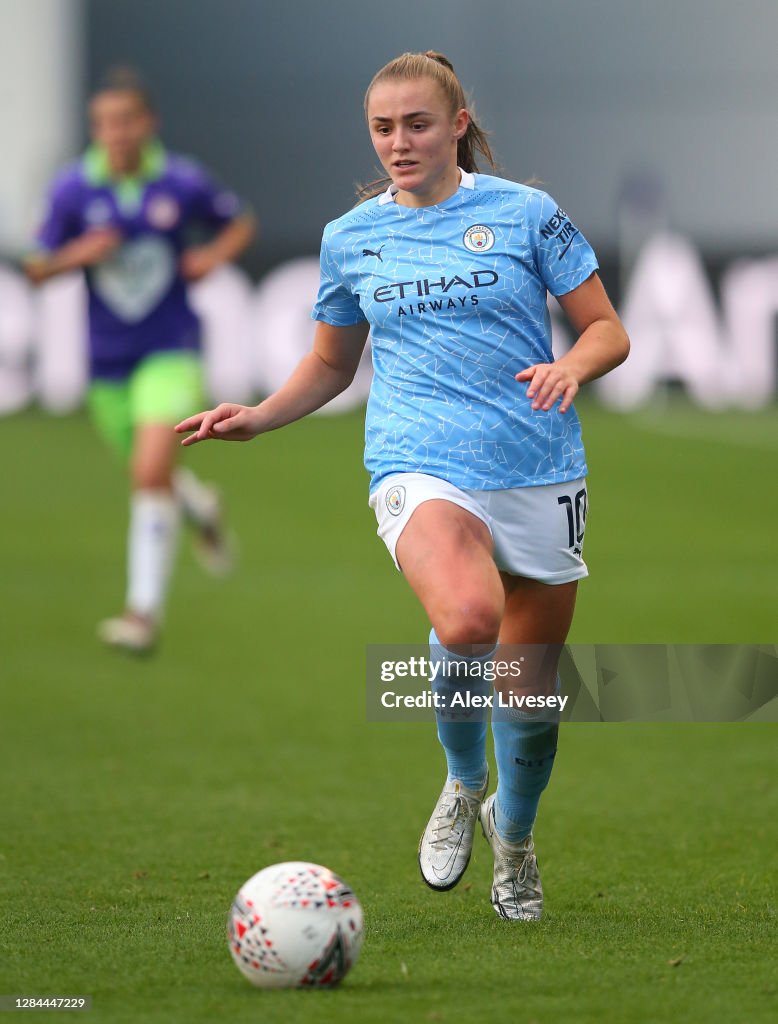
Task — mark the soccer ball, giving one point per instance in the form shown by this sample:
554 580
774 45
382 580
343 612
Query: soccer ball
295 925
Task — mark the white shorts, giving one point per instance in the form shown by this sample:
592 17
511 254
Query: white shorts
538 532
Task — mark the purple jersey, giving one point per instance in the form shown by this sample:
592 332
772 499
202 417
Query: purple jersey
137 298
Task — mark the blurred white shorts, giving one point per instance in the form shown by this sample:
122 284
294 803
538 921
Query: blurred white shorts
538 532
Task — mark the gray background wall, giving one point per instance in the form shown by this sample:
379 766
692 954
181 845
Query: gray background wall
575 93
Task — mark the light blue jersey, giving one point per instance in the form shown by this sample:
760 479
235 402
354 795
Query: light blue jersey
455 295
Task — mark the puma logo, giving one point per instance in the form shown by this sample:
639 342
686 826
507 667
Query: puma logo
369 252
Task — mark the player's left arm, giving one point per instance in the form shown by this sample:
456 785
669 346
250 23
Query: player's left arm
224 247
601 346
222 212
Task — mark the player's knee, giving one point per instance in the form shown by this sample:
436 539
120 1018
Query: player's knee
469 621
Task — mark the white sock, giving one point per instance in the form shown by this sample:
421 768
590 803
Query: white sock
152 542
198 501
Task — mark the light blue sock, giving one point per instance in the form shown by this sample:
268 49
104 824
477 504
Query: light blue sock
524 749
462 735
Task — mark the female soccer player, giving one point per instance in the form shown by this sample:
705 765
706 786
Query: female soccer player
471 439
122 214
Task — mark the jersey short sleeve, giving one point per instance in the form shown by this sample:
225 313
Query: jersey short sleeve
563 257
335 304
61 221
211 203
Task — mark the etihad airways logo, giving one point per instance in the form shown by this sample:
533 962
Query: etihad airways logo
439 293
434 285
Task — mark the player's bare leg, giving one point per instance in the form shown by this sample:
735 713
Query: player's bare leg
445 553
536 613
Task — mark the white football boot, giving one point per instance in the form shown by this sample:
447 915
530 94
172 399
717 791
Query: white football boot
517 894
129 632
445 846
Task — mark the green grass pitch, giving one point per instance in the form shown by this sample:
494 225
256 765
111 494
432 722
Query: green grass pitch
138 795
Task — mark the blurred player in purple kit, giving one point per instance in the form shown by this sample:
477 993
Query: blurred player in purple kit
123 214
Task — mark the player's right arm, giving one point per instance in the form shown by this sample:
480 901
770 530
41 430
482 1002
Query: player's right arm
62 243
322 374
88 249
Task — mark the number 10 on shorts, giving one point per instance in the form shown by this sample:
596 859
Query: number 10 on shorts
576 509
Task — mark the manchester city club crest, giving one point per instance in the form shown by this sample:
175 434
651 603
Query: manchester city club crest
478 238
395 500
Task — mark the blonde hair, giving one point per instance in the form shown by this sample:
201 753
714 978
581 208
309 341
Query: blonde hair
411 66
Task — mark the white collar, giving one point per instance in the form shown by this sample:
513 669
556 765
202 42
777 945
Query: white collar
466 180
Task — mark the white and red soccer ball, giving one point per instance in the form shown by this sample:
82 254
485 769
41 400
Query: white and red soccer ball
295 925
